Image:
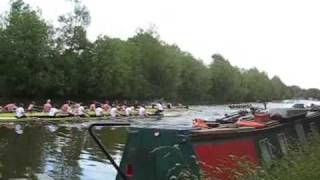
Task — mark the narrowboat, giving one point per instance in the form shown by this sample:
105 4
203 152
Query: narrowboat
216 153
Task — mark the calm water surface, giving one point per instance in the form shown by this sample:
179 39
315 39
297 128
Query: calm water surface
66 151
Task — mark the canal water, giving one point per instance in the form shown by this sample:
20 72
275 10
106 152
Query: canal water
66 151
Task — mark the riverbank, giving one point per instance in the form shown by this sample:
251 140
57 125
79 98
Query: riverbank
301 162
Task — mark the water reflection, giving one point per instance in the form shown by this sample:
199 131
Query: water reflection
61 152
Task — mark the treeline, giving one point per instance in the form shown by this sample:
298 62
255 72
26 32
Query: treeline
38 59
300 93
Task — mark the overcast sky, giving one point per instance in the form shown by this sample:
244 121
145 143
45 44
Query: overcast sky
281 37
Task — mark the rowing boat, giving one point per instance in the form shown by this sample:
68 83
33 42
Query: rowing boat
43 117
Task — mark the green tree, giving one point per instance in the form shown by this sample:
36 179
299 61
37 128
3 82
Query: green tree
25 50
194 80
157 60
225 80
72 48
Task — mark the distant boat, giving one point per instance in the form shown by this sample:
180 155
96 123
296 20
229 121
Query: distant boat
240 106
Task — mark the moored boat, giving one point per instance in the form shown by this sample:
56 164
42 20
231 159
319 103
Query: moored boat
169 153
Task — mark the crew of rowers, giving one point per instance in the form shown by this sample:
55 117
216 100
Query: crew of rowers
76 109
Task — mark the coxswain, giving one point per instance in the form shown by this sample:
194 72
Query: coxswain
142 111
31 106
47 106
99 111
10 107
113 111
66 107
159 108
20 111
53 111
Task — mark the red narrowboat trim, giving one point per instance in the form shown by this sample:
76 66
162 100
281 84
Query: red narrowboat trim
216 158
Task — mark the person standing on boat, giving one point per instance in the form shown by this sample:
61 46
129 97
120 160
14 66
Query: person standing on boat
99 111
265 105
11 107
142 111
47 106
20 111
159 108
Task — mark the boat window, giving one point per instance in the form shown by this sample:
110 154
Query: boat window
300 133
314 129
266 150
283 143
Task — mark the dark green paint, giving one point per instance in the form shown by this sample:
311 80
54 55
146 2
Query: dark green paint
159 157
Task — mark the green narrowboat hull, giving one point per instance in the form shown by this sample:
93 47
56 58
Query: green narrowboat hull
218 152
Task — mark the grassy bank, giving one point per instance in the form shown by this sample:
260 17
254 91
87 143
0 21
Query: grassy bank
302 162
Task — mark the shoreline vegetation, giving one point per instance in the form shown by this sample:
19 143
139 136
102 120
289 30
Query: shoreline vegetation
40 60
301 162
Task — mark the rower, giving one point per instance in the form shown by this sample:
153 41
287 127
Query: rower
66 107
99 111
106 106
31 106
11 107
20 111
113 111
47 106
92 106
123 107
80 112
142 111
136 104
128 110
53 111
159 108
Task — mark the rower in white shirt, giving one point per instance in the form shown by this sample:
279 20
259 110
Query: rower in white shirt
20 112
142 111
159 108
80 112
113 111
99 111
128 110
53 111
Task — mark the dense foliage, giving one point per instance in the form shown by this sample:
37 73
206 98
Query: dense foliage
301 162
40 60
